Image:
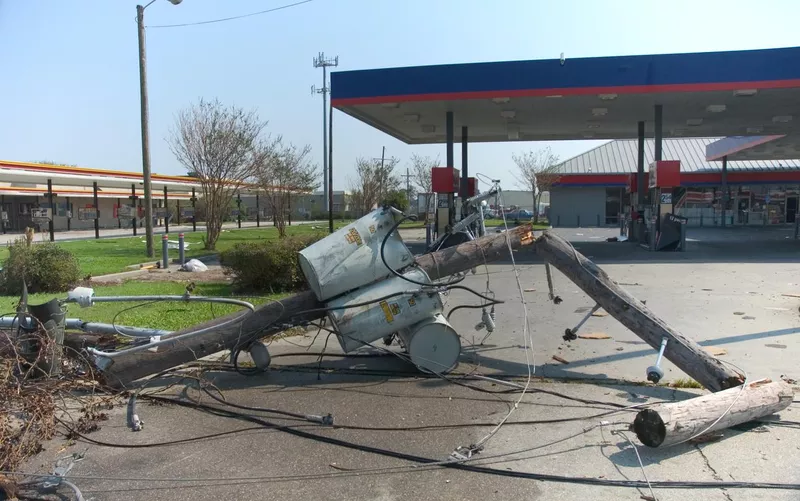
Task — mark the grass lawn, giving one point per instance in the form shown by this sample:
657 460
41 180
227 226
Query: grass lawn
160 315
112 255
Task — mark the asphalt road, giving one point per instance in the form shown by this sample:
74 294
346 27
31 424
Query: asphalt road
717 293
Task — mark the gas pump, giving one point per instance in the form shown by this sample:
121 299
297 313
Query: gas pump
445 183
665 229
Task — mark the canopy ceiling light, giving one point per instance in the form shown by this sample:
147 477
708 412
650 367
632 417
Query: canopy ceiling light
501 100
694 122
782 119
411 117
390 105
508 114
599 112
592 126
677 132
716 108
428 128
607 97
755 130
745 92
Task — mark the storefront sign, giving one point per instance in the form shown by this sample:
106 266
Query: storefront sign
40 215
87 213
187 212
126 212
666 198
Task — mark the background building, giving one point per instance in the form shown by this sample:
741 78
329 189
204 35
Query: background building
593 187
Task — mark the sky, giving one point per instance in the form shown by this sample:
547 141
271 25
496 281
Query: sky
70 85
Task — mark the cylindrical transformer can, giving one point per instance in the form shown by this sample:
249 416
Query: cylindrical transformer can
359 325
350 258
433 345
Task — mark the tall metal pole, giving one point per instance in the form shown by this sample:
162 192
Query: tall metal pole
148 202
330 172
50 224
321 62
382 176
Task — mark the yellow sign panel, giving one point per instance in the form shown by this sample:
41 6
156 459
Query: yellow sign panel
387 312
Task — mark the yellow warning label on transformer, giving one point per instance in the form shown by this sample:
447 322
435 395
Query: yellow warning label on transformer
412 301
372 228
395 308
353 237
387 312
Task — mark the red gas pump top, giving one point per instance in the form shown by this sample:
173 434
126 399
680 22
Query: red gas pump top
445 179
665 174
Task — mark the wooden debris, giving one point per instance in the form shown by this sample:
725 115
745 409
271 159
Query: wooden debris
791 294
676 422
594 335
559 359
530 290
716 351
600 313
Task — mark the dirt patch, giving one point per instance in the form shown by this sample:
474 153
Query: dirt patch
213 275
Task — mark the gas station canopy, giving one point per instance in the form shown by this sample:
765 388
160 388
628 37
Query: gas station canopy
710 94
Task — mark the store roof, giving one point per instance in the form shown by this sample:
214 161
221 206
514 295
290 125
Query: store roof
712 94
620 157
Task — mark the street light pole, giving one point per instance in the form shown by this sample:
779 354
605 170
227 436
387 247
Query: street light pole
148 188
148 198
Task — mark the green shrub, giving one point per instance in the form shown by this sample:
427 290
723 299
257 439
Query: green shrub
269 266
45 267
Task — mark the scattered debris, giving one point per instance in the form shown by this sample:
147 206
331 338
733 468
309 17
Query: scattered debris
628 284
738 313
748 317
559 359
530 290
716 351
611 239
775 308
620 348
707 290
788 380
791 294
594 335
194 265
776 345
600 313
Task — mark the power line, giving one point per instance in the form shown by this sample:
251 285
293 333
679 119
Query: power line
282 7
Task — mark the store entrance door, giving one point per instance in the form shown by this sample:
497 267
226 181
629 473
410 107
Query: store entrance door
791 209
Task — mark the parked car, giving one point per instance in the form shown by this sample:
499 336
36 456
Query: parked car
519 215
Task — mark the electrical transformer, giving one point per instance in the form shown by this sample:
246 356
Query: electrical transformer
350 258
379 315
433 345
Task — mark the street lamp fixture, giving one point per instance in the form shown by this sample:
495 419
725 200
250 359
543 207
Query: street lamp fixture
148 188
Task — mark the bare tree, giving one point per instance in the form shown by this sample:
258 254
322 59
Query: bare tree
285 171
222 146
421 173
537 172
373 183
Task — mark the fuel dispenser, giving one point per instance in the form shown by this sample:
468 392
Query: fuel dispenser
665 230
445 183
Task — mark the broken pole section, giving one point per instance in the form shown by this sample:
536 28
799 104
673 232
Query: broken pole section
669 424
633 314
278 316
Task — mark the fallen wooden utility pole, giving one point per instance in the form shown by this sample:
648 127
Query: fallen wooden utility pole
686 354
296 310
669 424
